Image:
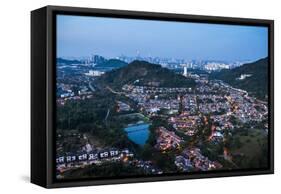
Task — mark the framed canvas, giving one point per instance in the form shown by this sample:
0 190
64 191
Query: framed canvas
126 96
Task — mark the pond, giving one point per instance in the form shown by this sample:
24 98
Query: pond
138 133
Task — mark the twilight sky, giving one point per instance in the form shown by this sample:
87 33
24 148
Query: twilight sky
79 36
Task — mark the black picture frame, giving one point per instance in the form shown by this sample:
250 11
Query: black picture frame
43 84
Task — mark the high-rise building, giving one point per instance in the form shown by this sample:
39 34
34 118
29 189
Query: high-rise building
185 71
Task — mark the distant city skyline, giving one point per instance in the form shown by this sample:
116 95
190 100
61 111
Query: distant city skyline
80 36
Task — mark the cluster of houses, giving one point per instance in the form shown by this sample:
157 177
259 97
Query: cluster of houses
222 122
214 108
153 90
215 104
149 98
191 159
167 140
190 104
147 167
211 97
65 92
185 123
154 105
248 109
204 88
85 157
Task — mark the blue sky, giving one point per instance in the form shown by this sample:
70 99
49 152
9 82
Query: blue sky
79 36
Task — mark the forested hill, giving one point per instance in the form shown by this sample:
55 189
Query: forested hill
252 77
146 74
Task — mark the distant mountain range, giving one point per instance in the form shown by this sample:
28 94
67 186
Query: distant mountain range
252 77
98 61
143 73
67 61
